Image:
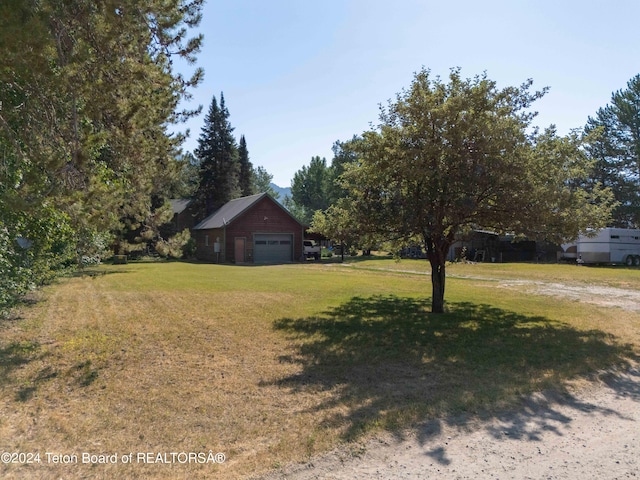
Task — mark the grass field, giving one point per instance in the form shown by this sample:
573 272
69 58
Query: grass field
274 364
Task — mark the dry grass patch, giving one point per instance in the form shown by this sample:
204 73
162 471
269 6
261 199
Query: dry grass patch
271 364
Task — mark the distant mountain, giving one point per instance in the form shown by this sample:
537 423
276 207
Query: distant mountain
284 192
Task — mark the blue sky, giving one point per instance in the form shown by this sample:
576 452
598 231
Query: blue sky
297 75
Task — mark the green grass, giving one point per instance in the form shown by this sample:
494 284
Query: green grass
272 364
617 276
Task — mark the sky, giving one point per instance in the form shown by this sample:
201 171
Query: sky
299 75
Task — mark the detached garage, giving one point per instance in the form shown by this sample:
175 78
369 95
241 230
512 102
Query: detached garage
254 229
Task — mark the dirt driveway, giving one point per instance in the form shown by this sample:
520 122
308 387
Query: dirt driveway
594 434
624 298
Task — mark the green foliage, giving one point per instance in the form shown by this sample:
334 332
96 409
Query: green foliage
217 155
246 174
225 170
316 187
186 181
337 224
33 250
189 248
309 189
262 180
449 157
154 232
613 142
176 246
343 155
87 92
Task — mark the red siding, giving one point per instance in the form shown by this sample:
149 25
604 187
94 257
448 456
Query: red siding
184 219
265 216
207 252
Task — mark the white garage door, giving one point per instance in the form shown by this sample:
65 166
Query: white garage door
272 247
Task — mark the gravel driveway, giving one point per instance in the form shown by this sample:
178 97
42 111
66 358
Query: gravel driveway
593 434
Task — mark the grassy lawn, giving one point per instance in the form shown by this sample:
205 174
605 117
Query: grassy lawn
274 364
615 276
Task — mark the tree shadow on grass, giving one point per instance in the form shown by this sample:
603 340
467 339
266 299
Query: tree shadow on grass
97 273
17 355
12 313
391 363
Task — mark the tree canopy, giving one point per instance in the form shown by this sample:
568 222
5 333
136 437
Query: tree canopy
614 144
246 173
87 92
450 157
309 189
263 180
315 187
217 155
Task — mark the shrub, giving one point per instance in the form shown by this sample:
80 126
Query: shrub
326 253
33 251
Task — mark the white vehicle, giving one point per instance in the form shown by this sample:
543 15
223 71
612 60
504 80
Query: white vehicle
311 250
609 245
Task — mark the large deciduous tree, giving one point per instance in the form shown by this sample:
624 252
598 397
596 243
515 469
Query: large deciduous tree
614 144
315 187
309 188
449 157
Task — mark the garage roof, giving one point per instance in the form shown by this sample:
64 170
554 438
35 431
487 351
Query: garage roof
230 210
178 205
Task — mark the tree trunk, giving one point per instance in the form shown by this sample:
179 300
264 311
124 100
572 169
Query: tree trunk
437 285
437 254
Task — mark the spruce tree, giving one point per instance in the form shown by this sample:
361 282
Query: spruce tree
217 154
247 174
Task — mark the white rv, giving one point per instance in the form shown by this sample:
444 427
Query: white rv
609 245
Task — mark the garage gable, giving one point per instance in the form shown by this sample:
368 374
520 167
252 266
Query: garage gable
256 229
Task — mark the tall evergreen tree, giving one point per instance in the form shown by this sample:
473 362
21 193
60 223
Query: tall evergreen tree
246 177
88 90
614 146
217 154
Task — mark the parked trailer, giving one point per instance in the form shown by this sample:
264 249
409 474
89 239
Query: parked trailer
609 245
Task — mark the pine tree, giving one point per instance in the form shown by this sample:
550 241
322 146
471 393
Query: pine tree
87 92
218 156
614 147
247 174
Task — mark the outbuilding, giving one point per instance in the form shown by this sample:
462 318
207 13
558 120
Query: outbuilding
254 229
183 214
